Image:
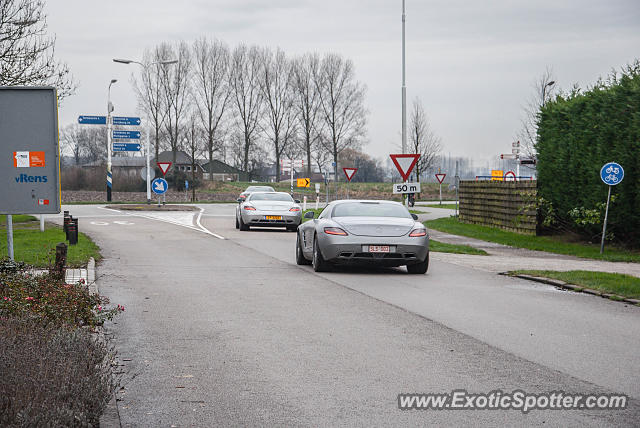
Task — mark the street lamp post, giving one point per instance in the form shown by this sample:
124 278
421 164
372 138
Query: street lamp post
544 91
109 110
148 149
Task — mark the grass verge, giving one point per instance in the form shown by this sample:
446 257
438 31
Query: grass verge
614 283
445 206
539 243
38 248
443 247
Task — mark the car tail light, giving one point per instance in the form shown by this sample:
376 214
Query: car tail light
418 232
295 209
249 208
334 231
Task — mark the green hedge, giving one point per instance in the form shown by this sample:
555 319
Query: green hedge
580 132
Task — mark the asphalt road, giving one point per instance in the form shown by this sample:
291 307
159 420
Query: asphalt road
223 328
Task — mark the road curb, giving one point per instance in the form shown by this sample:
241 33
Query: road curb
110 417
573 287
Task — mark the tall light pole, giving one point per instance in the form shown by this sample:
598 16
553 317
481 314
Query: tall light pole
544 91
404 85
109 110
148 149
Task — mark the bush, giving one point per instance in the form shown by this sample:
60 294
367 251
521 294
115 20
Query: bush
52 376
45 298
580 132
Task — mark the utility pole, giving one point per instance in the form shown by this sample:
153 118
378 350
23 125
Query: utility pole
109 110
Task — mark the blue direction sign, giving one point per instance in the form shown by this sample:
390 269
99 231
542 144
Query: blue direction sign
123 120
126 147
126 135
159 186
612 173
92 120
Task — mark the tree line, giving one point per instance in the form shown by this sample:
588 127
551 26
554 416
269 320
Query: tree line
251 106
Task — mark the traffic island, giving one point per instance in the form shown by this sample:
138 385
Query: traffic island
153 207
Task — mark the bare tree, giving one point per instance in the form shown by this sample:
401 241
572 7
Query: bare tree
176 88
150 91
543 91
307 102
26 53
211 90
422 139
342 104
71 141
193 143
275 86
247 97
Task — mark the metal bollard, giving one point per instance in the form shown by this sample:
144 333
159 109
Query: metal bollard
72 228
65 222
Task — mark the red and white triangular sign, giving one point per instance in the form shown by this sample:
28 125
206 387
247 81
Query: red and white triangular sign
164 167
440 177
405 164
349 172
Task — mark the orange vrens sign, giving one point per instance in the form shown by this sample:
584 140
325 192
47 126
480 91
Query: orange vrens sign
28 159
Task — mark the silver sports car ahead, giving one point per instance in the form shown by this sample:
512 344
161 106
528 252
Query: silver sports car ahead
381 233
268 209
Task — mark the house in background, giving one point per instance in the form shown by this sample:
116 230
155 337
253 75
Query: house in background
182 164
219 171
120 165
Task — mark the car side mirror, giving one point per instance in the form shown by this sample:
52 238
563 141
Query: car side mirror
297 201
415 216
309 214
240 200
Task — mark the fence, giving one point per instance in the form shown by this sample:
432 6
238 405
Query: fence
509 205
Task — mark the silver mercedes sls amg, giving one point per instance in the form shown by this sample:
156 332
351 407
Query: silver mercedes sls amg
268 209
381 233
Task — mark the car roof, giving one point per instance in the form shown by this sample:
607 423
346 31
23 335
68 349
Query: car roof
261 187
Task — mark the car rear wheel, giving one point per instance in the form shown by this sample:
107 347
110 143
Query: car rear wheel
243 226
237 224
319 263
292 228
300 259
421 267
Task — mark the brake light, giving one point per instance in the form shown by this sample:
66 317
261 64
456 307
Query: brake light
295 209
249 208
334 231
418 232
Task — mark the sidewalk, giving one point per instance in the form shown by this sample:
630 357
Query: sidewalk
503 258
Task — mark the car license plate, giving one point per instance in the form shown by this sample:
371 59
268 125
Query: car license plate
379 249
273 217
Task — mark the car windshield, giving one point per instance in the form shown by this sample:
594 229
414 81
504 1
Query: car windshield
284 197
370 209
259 189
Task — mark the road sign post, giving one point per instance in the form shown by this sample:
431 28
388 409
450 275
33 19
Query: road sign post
440 177
611 174
349 173
404 164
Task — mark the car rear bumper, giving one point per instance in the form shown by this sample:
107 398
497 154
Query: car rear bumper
349 250
258 218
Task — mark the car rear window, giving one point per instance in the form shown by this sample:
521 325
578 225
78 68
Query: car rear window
271 197
370 209
259 189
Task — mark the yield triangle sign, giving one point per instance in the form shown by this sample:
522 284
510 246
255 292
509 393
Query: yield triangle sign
164 167
440 177
405 164
349 172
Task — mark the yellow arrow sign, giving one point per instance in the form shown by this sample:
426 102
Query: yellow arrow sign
303 182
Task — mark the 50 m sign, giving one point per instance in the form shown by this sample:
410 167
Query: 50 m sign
406 188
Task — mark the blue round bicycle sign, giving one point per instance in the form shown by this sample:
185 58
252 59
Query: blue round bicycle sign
612 173
159 186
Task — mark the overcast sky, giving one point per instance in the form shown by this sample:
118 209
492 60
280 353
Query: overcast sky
472 63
